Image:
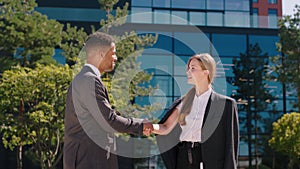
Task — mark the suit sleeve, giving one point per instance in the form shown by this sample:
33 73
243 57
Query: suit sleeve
232 137
168 142
96 100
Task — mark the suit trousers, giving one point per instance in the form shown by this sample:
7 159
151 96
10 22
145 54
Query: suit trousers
189 155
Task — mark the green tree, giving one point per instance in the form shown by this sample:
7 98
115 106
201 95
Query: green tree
73 39
128 81
287 66
27 36
129 46
286 137
250 70
32 104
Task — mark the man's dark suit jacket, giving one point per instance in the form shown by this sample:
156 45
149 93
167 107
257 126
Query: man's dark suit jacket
220 135
90 123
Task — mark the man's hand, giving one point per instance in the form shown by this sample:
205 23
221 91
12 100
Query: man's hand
148 127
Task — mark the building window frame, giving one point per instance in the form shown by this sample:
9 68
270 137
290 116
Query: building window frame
272 1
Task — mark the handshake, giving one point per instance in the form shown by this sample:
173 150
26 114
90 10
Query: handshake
148 127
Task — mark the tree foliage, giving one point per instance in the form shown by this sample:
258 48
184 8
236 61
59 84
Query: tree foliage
286 137
254 97
32 108
26 36
28 39
287 66
73 39
128 78
252 91
32 96
250 73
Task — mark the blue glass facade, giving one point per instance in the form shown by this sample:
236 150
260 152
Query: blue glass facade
225 29
228 32
175 47
227 13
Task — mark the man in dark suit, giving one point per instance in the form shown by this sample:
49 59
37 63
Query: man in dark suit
90 121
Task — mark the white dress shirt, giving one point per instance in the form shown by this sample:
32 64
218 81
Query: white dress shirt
192 130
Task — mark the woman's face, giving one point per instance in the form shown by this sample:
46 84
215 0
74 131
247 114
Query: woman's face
195 73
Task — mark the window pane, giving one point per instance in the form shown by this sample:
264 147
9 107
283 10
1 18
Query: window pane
215 4
243 147
237 5
272 12
237 19
266 43
254 18
190 4
72 14
190 43
197 18
141 15
163 83
59 57
161 3
181 87
160 64
180 65
214 19
227 66
164 101
163 44
162 16
272 1
272 18
179 17
146 3
274 88
229 45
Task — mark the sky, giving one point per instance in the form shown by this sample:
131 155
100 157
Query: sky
288 6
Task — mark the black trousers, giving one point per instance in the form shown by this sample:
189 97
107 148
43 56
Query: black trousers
189 155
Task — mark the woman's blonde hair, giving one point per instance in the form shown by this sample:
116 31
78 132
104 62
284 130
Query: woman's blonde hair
206 62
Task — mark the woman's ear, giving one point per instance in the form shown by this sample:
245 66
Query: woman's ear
206 72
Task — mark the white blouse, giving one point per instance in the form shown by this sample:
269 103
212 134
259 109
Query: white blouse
192 130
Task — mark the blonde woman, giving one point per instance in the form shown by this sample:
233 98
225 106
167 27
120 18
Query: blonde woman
209 135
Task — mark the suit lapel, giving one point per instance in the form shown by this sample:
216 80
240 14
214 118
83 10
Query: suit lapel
213 114
105 92
89 69
207 109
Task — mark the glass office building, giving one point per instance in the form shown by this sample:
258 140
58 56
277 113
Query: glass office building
227 29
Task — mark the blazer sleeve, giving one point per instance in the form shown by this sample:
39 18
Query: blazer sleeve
170 110
232 136
167 143
95 99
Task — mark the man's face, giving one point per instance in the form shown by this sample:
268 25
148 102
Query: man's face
108 61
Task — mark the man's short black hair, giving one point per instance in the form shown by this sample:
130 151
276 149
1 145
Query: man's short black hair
98 40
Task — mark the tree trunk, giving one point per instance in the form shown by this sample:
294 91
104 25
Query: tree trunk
298 79
273 160
19 157
20 147
291 163
298 105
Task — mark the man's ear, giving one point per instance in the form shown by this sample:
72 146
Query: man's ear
101 54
